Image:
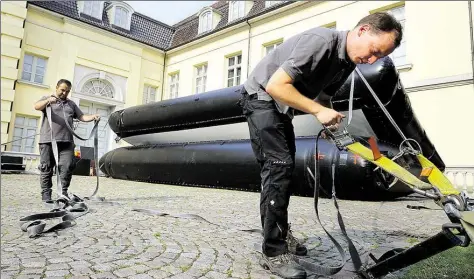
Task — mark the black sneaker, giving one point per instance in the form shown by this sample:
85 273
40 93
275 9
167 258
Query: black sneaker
284 266
294 245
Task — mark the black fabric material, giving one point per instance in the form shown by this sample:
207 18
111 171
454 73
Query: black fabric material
47 164
273 143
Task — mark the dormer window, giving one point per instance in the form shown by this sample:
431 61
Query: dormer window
121 17
91 8
236 10
208 19
120 14
271 3
205 22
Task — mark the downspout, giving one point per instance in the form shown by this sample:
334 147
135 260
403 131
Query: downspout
248 48
163 79
472 38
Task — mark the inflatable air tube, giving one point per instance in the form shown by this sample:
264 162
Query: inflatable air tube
232 165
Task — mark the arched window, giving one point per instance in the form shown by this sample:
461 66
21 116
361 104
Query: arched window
205 22
98 87
236 10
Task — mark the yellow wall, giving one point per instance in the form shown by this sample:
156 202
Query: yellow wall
12 17
68 43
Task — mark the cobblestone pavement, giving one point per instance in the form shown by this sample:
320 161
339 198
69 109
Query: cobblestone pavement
112 241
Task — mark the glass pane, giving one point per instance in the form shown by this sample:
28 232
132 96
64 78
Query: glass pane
30 132
28 59
204 84
87 7
30 142
40 62
230 82
27 68
239 59
238 80
38 78
39 71
205 69
19 120
33 122
231 73
30 149
18 132
15 148
238 72
231 61
26 76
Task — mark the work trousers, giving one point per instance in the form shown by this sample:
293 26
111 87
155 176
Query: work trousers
47 164
273 142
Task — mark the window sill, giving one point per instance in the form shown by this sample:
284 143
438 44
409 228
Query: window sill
404 67
33 83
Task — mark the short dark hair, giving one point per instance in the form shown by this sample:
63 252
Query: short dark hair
61 81
384 22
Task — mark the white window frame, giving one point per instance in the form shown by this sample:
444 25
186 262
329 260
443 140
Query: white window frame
34 68
235 67
200 79
147 94
399 55
205 21
236 10
121 17
270 47
24 134
174 85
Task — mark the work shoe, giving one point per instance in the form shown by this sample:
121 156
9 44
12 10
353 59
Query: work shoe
46 197
284 266
294 245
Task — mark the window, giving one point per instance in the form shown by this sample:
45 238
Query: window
174 85
201 76
25 134
121 17
92 8
234 70
33 68
271 3
205 22
149 94
98 87
399 54
271 47
236 10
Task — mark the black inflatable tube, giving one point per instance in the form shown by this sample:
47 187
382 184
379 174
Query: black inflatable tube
232 165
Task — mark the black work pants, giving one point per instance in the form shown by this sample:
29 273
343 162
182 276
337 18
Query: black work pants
273 143
47 163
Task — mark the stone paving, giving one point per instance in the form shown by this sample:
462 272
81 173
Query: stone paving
112 241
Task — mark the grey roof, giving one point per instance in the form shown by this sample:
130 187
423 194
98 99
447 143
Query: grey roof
142 28
153 32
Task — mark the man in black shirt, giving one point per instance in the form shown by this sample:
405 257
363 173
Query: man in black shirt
302 73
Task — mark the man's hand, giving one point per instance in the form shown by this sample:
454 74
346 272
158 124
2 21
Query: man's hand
329 117
52 100
96 117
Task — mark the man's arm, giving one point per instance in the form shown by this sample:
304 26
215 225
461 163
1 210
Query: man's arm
89 117
280 87
43 102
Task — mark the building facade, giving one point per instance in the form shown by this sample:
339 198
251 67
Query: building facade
118 58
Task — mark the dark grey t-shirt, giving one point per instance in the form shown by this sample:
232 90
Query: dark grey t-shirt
60 131
316 60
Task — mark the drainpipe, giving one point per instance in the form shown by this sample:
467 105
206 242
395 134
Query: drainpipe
248 48
163 79
472 38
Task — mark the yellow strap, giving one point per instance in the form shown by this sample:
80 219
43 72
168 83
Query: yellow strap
437 178
389 166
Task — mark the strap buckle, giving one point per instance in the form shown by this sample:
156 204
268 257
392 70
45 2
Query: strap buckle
340 138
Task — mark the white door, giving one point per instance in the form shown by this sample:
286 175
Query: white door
84 128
